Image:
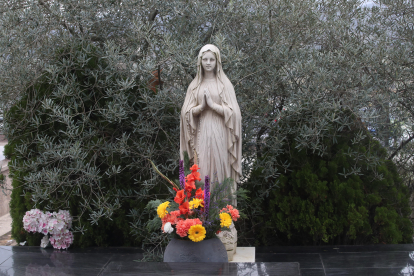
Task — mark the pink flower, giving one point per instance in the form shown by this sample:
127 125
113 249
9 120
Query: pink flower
184 225
234 214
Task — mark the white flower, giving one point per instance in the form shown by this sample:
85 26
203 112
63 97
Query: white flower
44 242
55 224
168 228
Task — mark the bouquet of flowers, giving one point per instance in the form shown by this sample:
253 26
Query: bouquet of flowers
55 225
192 215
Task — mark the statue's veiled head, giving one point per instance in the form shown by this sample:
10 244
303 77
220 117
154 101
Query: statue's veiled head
207 52
208 62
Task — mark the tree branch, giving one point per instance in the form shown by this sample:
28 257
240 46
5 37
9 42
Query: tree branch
62 22
403 143
152 15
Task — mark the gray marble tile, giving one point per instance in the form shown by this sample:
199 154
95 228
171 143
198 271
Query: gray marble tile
4 255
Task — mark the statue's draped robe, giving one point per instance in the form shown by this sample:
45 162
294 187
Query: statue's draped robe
215 137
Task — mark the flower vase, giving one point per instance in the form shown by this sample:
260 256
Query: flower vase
205 251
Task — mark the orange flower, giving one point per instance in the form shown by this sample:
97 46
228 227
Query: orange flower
190 177
190 183
179 198
194 172
194 168
199 194
184 208
196 176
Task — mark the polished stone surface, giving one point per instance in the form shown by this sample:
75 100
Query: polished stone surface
396 259
34 261
306 261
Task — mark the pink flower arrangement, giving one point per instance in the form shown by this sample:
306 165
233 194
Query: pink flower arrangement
56 225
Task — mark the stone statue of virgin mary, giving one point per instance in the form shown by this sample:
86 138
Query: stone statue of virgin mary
211 120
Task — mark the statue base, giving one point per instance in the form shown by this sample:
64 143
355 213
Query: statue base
244 255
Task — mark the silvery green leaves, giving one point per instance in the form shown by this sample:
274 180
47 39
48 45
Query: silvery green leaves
303 72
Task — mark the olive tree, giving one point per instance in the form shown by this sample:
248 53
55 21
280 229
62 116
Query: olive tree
325 59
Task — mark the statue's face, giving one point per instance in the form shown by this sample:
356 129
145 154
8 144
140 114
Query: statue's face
208 61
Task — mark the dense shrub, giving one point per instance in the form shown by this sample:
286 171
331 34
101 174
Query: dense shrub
335 198
80 139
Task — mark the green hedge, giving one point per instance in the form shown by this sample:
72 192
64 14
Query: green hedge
318 202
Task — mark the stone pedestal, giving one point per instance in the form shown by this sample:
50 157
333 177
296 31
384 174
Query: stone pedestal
229 239
244 255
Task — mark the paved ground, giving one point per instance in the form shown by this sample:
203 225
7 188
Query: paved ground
5 224
379 260
6 240
5 231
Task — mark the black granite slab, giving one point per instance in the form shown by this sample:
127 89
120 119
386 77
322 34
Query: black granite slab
34 261
306 261
367 272
312 272
225 269
387 259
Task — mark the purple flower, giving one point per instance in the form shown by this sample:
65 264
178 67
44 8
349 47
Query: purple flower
206 195
182 174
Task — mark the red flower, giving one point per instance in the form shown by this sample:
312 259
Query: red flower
190 183
179 198
199 194
196 176
190 177
189 186
194 168
184 208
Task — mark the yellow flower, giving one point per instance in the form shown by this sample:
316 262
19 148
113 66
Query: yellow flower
195 203
225 220
162 209
197 233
